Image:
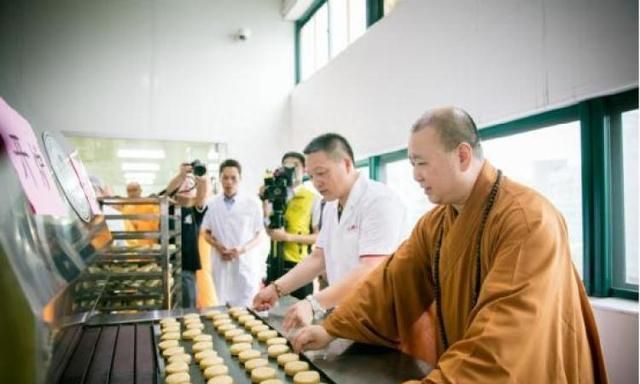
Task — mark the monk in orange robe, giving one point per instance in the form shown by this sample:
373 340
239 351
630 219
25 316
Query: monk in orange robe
493 257
134 190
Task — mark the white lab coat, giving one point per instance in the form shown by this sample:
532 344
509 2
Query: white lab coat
236 281
372 223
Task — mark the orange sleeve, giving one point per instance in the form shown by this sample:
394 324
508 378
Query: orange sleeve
391 299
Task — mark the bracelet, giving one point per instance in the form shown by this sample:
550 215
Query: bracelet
278 289
318 312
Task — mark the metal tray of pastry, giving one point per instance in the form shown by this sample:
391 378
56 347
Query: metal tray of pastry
222 347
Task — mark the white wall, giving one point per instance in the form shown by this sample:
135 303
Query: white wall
497 59
618 327
157 69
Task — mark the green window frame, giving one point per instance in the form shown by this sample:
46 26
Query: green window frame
603 214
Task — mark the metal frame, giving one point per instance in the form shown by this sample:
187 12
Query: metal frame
163 255
375 11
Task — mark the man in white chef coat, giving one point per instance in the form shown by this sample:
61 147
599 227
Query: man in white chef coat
233 226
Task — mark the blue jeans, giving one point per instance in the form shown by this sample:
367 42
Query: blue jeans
188 289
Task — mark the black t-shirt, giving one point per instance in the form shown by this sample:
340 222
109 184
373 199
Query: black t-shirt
191 221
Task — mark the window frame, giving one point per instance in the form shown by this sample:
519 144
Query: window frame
616 105
601 162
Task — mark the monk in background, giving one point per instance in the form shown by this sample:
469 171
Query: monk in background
493 258
205 290
134 191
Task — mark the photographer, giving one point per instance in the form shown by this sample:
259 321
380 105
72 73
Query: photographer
190 188
300 218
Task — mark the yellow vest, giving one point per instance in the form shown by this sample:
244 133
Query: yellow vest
297 219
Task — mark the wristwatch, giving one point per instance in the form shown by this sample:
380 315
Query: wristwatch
318 311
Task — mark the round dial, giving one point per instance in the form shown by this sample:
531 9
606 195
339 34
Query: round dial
67 177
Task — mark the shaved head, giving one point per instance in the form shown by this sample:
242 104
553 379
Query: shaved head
453 126
134 189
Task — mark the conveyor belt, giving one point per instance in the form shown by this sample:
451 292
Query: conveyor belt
123 349
122 354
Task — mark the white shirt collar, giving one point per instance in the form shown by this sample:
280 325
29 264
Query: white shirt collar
356 193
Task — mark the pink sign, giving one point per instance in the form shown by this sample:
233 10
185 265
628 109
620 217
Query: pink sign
85 183
22 147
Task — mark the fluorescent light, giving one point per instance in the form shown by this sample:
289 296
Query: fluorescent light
140 167
141 153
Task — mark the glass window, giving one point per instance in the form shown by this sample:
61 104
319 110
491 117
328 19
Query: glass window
322 36
398 175
307 51
630 165
347 22
314 42
555 171
357 19
389 5
338 25
335 25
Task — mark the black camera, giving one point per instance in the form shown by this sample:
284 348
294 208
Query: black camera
199 168
275 191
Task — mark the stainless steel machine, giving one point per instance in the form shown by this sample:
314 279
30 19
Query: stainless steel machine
45 338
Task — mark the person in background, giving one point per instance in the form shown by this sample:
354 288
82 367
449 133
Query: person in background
493 257
191 193
361 225
103 190
134 191
233 226
301 219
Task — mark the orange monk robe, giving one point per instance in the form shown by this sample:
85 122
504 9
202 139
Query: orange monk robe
533 322
206 291
141 225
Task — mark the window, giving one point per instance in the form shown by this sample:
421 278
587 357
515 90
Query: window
630 145
314 42
555 171
348 21
626 210
328 28
389 6
398 175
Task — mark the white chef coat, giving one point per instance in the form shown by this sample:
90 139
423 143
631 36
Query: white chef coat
371 223
234 225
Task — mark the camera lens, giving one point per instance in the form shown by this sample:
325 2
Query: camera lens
199 168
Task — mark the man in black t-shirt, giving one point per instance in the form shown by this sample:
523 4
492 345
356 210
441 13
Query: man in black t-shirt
191 192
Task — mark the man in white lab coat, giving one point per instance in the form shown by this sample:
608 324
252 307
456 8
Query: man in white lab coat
233 225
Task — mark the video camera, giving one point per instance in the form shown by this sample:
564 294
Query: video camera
275 191
199 168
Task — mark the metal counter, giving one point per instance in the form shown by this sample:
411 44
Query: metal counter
342 362
355 363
